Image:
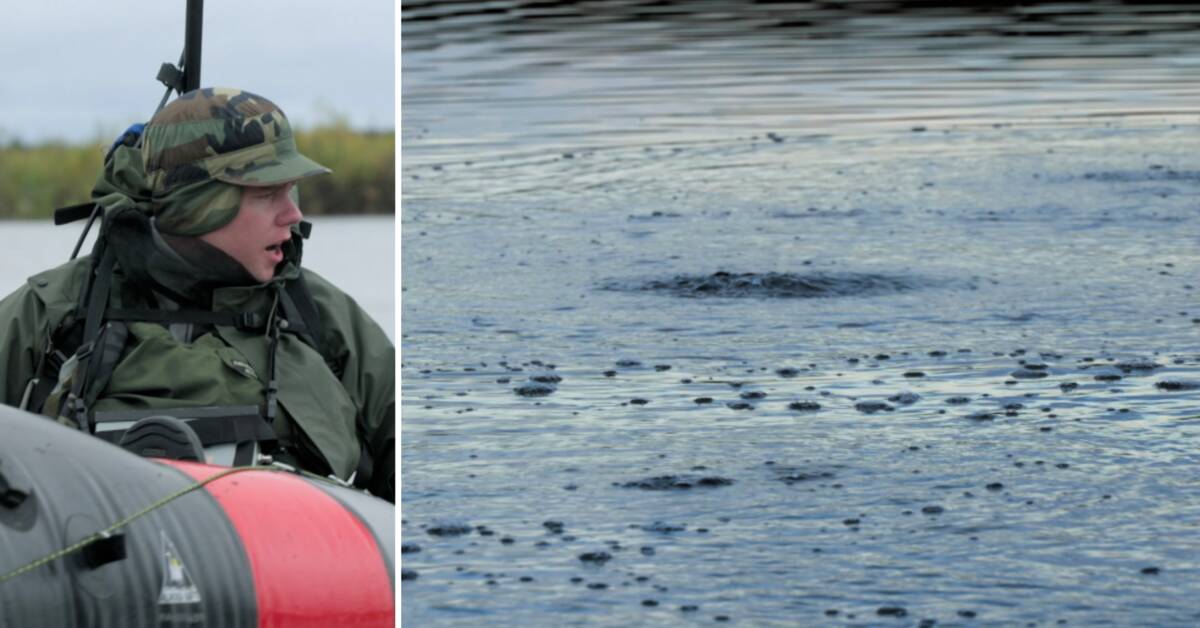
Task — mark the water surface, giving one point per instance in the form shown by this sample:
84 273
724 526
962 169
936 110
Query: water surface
800 315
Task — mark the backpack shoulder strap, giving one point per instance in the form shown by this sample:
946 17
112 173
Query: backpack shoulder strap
95 301
298 303
299 306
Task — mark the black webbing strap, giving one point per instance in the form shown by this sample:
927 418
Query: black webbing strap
271 391
97 301
89 210
105 356
45 377
97 298
71 213
366 463
372 447
245 321
237 429
298 304
240 425
296 323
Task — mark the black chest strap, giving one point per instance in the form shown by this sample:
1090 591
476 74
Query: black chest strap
245 321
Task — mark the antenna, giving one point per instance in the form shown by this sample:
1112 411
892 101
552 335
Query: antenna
193 34
186 76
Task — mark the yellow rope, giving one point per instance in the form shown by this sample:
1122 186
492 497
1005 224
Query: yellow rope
107 532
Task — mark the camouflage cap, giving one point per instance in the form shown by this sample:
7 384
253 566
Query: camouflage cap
201 145
224 134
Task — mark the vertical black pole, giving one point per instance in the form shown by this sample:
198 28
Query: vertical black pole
191 42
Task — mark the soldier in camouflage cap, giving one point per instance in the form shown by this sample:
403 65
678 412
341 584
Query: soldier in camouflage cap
207 305
200 149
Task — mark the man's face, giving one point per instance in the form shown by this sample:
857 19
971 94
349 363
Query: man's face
255 236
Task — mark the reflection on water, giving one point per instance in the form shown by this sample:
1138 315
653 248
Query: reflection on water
483 81
989 415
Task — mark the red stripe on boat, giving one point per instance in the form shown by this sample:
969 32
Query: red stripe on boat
315 563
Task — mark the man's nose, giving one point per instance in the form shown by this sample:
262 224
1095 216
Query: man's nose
288 212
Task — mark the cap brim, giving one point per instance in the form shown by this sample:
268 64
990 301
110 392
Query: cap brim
284 168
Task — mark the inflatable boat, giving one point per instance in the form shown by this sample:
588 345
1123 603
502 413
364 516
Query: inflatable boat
93 535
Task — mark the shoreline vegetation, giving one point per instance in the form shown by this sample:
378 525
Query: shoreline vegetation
36 179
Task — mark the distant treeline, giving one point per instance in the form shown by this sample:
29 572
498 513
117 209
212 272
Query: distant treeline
36 179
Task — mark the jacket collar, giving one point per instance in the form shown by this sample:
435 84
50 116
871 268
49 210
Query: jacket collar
186 269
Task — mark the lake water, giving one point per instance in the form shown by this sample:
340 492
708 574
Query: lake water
356 253
783 314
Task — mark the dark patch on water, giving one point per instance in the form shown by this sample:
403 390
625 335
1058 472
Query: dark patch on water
871 407
449 529
905 398
654 215
534 389
772 285
659 527
792 475
1177 385
1137 365
1144 176
676 482
813 212
598 558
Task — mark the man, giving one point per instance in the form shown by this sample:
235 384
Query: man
193 304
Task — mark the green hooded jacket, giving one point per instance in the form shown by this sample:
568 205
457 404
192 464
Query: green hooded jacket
228 366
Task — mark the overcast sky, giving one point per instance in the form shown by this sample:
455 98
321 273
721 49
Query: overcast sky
77 70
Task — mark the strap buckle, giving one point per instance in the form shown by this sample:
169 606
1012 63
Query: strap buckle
75 410
85 349
248 321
